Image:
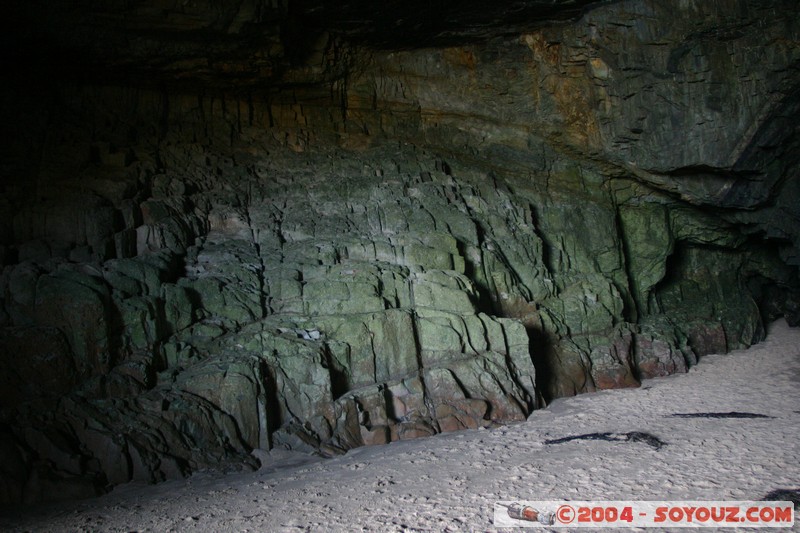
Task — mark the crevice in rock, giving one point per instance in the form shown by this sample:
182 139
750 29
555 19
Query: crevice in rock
340 383
541 350
631 312
263 293
426 393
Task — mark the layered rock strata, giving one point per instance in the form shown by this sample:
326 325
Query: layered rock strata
379 244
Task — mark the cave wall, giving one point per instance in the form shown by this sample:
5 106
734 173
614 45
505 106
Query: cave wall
382 244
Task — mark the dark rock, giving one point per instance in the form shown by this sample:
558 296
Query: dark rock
792 310
732 414
784 495
36 362
14 469
45 485
632 436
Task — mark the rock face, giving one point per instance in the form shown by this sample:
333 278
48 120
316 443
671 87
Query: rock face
385 244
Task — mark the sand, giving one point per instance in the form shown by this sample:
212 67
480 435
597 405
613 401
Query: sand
450 482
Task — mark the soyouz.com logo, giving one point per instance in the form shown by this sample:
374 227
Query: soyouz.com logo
577 514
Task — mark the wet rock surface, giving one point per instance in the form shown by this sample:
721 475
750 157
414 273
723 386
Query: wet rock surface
382 244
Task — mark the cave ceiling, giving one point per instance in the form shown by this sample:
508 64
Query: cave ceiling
725 77
243 42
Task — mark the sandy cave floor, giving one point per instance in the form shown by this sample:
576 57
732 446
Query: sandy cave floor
450 482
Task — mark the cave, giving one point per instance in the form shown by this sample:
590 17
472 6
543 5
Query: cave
236 229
